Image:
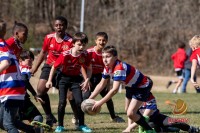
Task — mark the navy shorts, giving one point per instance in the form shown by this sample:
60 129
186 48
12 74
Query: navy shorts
45 75
141 94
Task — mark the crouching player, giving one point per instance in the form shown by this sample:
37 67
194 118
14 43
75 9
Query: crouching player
29 111
160 122
138 86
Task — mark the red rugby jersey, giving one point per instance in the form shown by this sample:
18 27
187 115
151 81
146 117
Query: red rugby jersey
96 60
15 46
71 65
196 55
54 48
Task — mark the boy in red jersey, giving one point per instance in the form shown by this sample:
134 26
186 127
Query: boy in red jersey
138 86
20 34
95 55
178 58
195 59
53 45
70 63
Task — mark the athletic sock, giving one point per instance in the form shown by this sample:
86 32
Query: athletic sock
143 123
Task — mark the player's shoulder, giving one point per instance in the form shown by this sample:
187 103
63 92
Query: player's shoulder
51 35
68 37
90 49
10 41
3 47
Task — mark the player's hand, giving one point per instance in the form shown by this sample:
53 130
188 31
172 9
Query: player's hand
49 84
38 99
85 85
195 84
97 106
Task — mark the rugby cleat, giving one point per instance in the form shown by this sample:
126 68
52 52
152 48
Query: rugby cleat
44 126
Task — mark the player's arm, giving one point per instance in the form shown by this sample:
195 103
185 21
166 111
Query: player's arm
193 71
4 64
109 95
41 57
83 72
49 82
86 75
28 84
102 84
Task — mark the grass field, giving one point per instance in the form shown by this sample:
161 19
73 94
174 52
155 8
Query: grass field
101 122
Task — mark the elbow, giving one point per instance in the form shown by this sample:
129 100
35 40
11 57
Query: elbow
115 91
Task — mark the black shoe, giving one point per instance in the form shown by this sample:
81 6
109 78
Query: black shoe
197 90
194 130
168 84
50 120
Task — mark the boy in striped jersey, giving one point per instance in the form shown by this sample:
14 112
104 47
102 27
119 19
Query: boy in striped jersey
138 86
11 85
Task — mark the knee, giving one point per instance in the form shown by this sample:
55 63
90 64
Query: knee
69 95
78 103
38 118
9 126
41 92
62 105
129 114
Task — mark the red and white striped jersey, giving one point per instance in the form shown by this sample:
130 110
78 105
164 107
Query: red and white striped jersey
11 83
127 74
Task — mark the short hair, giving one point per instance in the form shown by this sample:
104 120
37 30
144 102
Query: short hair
2 27
195 41
26 54
19 27
102 34
181 44
80 36
63 19
110 49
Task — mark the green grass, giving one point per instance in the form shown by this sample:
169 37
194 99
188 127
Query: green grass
101 122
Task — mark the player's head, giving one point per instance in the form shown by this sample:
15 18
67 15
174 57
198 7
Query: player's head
181 44
2 28
80 41
101 39
20 32
26 58
195 42
60 25
109 55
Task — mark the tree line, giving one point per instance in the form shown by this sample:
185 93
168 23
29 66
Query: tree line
144 31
